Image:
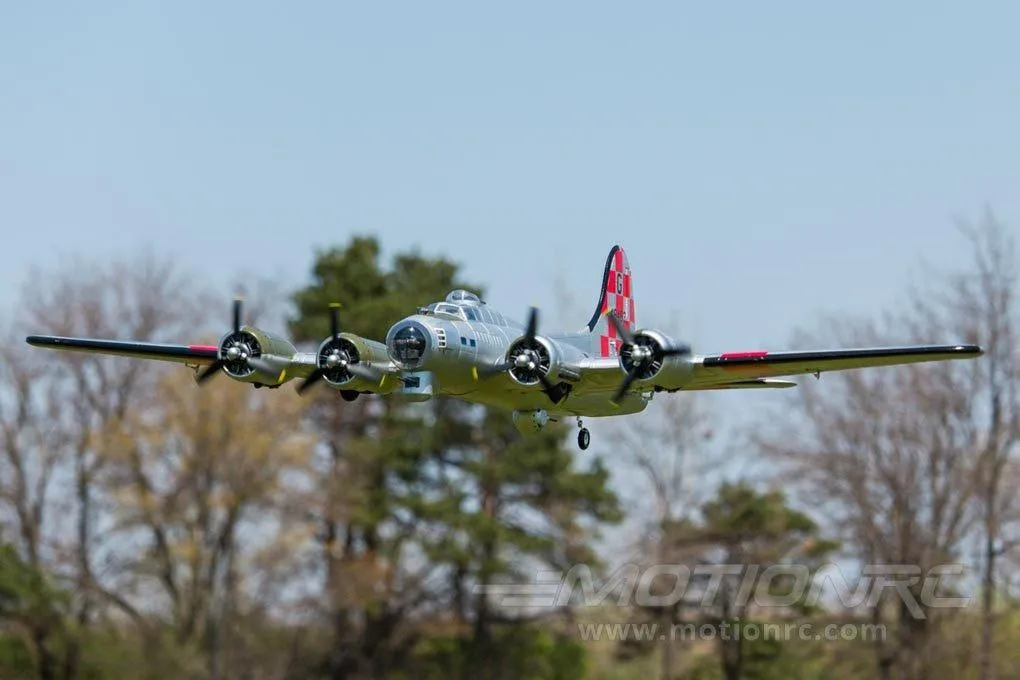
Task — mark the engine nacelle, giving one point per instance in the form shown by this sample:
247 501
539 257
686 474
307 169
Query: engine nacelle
530 358
531 422
335 355
255 356
647 357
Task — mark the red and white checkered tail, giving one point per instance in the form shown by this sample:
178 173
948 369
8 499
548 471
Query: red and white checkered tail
618 296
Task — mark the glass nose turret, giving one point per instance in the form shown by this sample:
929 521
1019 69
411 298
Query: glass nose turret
408 344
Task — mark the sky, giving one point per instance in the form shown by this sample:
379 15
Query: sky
761 163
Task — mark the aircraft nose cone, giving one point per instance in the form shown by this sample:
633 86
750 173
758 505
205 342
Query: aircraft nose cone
409 343
233 353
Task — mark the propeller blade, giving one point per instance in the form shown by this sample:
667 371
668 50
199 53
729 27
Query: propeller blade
365 371
495 369
621 330
264 366
334 321
676 351
556 394
215 367
532 324
370 372
624 386
314 377
210 371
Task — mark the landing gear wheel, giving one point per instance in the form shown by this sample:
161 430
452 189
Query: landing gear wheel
583 438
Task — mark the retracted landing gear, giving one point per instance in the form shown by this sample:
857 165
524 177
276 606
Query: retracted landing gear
583 435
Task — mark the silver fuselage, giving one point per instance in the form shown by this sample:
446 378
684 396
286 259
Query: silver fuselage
464 342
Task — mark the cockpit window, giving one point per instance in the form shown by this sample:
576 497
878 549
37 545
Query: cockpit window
452 310
472 314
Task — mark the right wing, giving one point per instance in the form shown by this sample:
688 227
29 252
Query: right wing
760 369
739 367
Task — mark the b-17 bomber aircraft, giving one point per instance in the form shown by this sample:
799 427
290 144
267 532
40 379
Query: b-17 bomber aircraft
462 348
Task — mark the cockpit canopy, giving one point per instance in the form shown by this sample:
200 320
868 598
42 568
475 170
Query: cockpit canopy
463 305
462 296
457 304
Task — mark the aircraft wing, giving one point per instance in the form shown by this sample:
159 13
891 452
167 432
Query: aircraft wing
740 367
252 355
297 365
193 355
761 370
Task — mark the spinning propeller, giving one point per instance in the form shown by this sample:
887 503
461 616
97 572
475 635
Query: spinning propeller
639 356
337 357
239 352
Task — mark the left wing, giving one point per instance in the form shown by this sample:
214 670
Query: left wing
737 367
249 354
194 355
271 369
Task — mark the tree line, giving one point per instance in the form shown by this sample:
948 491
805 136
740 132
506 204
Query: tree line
150 527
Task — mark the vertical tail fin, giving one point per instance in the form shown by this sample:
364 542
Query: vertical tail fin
617 295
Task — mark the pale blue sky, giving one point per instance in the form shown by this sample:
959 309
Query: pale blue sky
760 162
